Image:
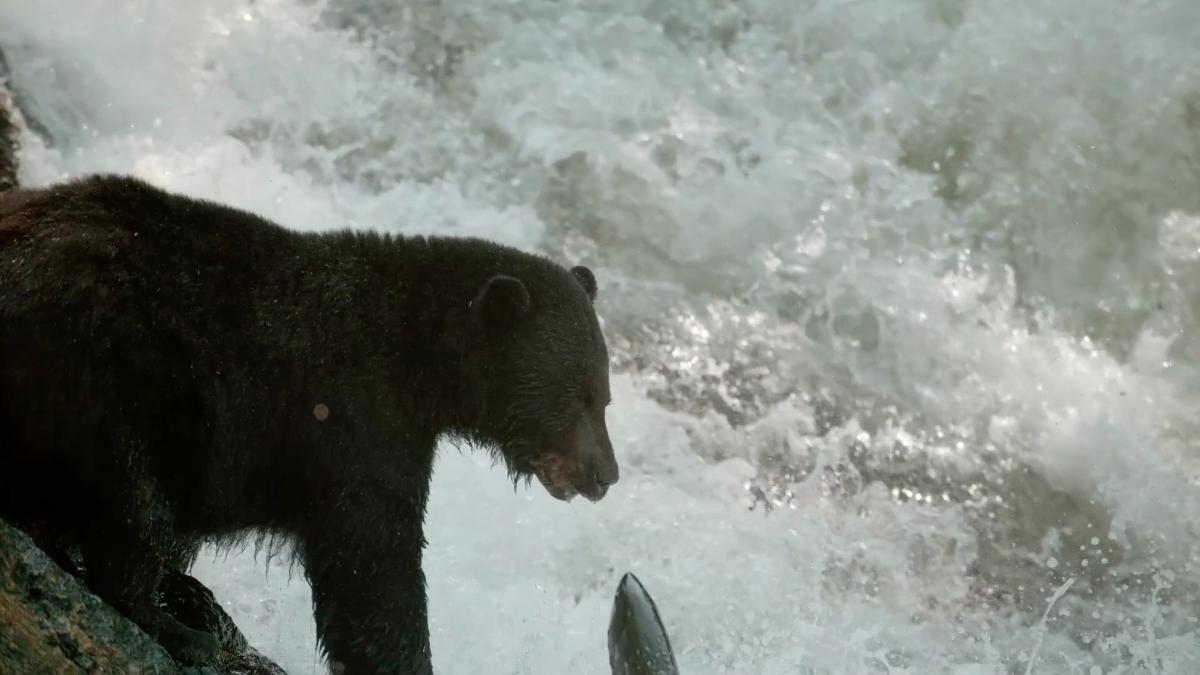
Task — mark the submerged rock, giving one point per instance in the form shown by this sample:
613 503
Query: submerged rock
50 623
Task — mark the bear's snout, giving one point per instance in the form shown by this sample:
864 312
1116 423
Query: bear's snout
605 473
599 462
585 467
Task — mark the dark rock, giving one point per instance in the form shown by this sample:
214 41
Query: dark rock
50 623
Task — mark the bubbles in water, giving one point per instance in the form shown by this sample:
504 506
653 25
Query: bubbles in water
902 294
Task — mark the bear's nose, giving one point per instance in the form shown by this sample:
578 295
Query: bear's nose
607 476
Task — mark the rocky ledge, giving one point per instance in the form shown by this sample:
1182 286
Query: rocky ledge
50 623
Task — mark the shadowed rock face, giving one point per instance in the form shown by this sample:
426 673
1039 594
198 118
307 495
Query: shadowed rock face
49 623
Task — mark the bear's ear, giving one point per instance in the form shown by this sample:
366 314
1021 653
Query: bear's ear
586 279
501 301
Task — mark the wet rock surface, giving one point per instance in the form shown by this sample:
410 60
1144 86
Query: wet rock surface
50 623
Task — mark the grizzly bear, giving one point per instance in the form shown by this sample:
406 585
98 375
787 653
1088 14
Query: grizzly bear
174 371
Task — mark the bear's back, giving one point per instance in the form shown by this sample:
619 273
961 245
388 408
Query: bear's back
105 240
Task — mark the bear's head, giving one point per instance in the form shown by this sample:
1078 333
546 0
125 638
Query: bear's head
542 373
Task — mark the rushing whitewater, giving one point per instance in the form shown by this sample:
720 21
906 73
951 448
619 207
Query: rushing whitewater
904 296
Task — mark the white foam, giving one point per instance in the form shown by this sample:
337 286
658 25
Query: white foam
978 215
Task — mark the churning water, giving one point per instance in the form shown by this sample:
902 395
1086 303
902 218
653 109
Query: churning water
904 295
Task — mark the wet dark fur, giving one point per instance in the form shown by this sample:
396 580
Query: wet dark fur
160 362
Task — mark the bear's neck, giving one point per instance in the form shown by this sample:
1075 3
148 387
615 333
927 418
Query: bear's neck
397 311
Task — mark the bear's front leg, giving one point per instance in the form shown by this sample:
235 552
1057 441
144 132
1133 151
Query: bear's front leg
126 539
363 559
